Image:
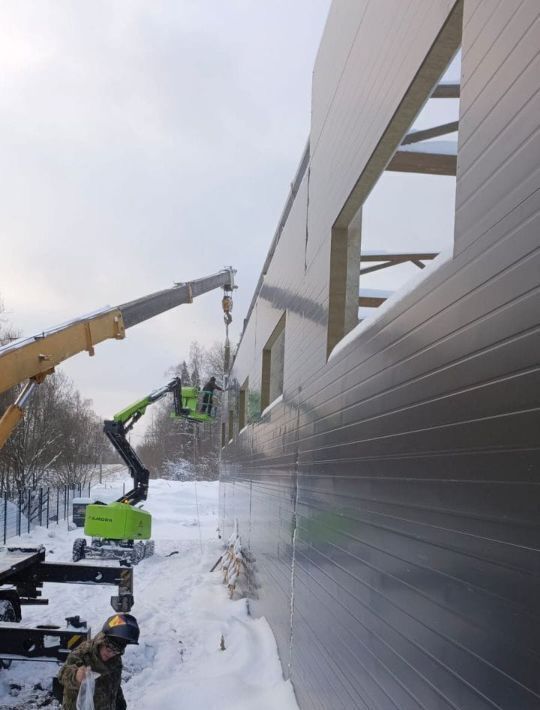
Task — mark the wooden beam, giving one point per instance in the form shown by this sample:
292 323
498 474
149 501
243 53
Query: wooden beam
408 161
442 130
398 258
446 91
378 267
370 301
393 259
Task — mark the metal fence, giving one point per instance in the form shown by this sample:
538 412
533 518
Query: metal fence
25 510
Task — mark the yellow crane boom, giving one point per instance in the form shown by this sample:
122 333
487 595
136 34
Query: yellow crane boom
36 357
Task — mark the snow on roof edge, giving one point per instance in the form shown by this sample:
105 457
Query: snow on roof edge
442 258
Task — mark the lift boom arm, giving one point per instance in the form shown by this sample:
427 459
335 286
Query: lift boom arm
116 429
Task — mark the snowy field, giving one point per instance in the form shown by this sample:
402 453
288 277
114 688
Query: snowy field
183 611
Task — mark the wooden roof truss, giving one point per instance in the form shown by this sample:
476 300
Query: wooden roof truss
384 261
429 158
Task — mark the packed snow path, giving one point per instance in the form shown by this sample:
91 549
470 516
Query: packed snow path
183 611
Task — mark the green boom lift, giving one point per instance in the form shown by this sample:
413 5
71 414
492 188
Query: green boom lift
119 530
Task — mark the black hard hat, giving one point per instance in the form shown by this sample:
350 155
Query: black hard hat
122 627
212 379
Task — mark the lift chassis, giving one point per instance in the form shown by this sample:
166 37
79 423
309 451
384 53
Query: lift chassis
127 551
23 571
119 530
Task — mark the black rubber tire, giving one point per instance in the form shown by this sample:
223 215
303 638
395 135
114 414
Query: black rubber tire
79 549
7 611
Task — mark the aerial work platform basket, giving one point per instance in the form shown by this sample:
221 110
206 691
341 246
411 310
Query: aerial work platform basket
198 405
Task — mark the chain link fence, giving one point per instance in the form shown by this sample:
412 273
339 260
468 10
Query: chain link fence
24 510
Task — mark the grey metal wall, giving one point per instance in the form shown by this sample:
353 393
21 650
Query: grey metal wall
390 502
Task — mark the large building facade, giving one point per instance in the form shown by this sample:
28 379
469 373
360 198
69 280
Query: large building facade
383 471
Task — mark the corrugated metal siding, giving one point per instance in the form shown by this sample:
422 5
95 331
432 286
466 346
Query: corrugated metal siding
499 137
391 499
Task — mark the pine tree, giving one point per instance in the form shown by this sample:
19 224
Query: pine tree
196 362
184 375
195 377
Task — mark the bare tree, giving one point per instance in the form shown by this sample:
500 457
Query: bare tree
82 442
58 442
213 361
170 441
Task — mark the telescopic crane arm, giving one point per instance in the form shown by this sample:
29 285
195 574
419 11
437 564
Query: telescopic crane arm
32 359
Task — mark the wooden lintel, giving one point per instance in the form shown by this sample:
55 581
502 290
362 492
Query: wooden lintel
408 161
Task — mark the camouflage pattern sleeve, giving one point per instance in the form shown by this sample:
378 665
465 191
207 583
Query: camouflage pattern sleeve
67 673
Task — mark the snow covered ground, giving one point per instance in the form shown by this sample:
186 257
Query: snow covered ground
183 611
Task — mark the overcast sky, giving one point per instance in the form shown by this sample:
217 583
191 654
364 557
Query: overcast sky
143 143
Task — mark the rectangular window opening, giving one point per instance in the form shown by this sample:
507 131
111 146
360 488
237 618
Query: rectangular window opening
273 361
242 404
231 424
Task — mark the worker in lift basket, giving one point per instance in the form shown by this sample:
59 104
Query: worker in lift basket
102 654
208 394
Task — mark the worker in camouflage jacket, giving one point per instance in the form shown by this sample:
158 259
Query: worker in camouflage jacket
102 654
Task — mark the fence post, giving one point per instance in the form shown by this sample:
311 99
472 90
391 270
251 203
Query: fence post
48 499
19 511
40 506
5 519
29 508
57 505
123 488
